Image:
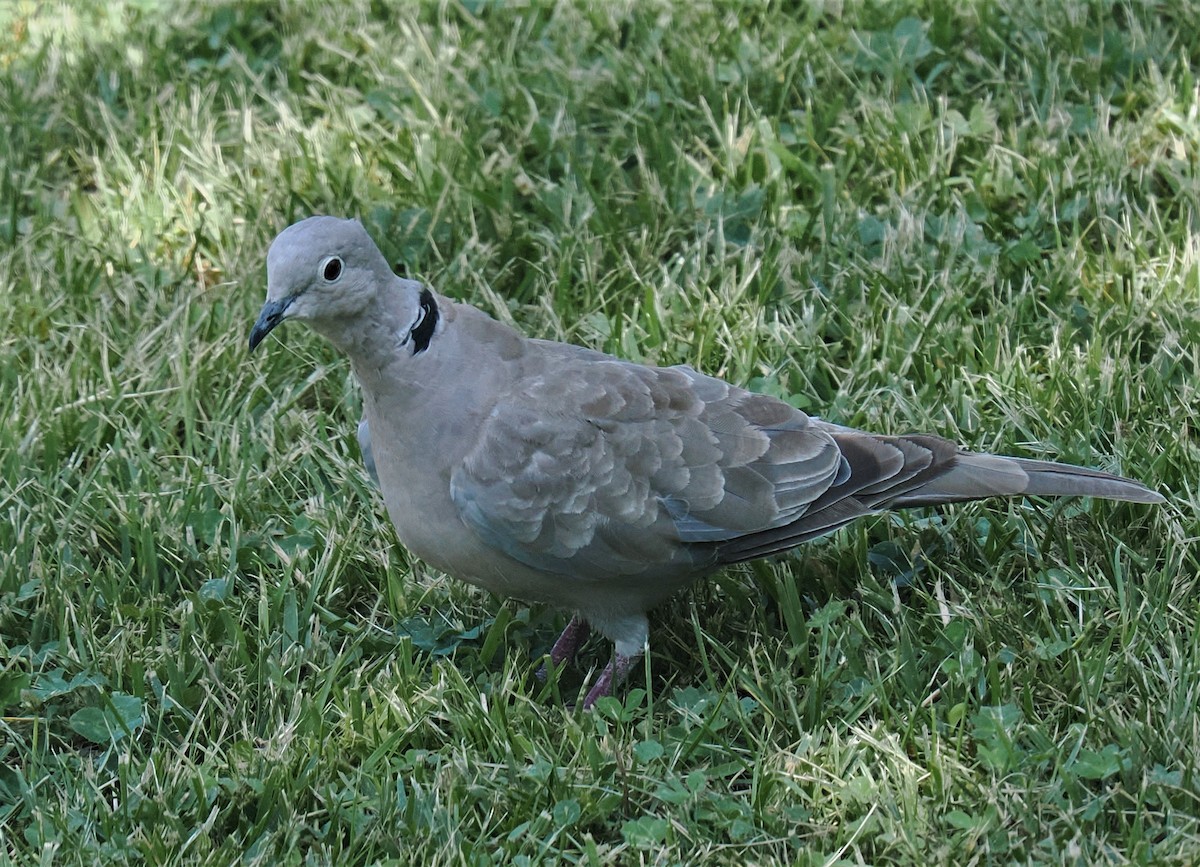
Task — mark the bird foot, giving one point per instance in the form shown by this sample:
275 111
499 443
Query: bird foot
575 633
613 675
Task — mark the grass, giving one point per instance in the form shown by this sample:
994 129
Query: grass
978 219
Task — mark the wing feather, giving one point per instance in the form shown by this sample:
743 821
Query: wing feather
597 469
620 469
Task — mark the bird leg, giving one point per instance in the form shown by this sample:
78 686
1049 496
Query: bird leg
575 633
613 675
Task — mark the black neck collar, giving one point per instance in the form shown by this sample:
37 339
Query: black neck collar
421 331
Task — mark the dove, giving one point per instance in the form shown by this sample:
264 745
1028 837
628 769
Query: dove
557 474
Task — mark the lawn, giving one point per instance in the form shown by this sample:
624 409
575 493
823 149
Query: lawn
977 219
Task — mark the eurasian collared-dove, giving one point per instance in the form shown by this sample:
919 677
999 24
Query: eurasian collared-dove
558 474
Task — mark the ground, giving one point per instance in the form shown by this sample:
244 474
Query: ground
974 219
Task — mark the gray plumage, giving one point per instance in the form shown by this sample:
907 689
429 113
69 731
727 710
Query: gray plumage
558 474
364 445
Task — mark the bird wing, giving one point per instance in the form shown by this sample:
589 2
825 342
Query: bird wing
604 468
368 453
597 468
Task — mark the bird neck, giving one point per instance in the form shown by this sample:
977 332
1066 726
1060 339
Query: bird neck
385 333
369 340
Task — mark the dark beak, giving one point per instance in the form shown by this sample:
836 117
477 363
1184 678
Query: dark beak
271 315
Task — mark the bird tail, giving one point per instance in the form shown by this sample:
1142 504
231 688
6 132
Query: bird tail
976 476
932 472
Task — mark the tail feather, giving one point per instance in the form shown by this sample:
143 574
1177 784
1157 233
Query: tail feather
976 476
1050 480
885 473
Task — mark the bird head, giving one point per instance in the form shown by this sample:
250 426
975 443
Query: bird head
320 270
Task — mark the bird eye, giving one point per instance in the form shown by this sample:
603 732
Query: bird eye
330 268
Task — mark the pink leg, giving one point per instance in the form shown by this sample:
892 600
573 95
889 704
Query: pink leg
613 675
567 644
575 633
